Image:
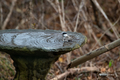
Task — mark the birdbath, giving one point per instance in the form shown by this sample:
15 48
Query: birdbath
33 51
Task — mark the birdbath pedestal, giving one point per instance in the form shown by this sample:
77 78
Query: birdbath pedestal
33 51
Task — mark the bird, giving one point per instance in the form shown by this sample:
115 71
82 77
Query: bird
66 37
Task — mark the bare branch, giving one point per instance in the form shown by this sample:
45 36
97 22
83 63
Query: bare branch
107 31
94 53
53 5
1 15
101 10
8 16
74 71
60 10
119 1
78 14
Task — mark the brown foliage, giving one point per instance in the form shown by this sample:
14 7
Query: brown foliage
70 15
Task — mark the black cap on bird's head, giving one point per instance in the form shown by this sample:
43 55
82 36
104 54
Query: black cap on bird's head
64 34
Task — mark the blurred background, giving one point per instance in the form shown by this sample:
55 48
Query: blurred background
98 20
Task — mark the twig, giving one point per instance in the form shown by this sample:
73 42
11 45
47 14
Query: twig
21 23
94 53
58 67
116 75
1 15
8 16
53 5
74 71
101 10
90 31
61 12
78 14
89 28
106 31
62 22
70 23
74 4
61 16
119 1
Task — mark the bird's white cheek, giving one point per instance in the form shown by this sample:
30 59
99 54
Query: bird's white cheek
65 35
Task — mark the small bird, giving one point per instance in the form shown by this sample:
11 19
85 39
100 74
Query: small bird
66 37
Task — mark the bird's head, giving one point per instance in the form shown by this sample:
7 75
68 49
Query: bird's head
64 34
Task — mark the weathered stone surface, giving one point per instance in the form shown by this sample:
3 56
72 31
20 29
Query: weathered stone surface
33 51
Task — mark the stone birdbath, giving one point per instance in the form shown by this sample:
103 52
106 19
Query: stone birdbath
33 51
